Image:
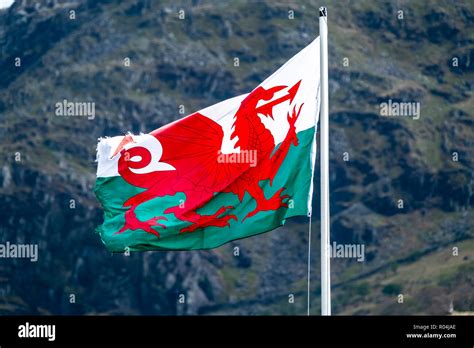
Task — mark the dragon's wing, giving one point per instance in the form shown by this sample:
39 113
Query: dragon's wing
192 145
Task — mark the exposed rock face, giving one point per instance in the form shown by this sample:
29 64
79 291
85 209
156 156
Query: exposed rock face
402 187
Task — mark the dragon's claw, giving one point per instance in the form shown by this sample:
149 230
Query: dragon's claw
154 221
210 221
274 203
132 223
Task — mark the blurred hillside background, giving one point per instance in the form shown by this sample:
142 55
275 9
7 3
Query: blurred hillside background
190 62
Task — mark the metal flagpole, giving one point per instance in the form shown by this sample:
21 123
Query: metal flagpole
324 163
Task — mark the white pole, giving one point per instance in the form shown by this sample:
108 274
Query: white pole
324 132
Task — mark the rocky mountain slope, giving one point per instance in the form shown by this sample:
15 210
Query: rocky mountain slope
48 169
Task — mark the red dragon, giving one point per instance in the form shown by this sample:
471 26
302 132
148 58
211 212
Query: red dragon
191 145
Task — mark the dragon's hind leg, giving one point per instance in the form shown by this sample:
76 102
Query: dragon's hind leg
132 223
202 221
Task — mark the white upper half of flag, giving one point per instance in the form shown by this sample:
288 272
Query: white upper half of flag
303 67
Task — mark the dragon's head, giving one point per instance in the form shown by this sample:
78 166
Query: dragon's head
268 95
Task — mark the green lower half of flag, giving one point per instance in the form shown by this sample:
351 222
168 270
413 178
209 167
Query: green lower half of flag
294 175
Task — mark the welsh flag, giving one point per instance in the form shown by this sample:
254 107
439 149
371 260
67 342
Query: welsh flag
232 170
